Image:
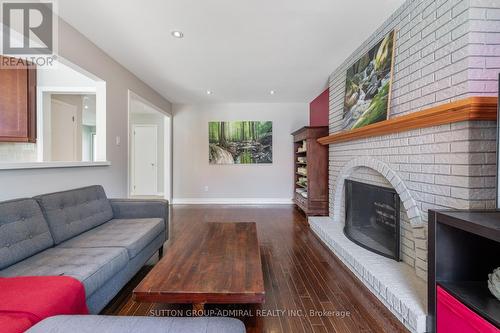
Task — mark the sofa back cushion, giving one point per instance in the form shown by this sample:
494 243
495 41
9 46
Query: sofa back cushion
23 231
71 213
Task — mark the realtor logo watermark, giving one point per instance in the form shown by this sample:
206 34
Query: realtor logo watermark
29 33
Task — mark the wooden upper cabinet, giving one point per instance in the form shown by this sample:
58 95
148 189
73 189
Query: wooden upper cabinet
17 103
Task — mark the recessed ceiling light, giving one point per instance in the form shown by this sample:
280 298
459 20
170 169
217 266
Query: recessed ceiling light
177 34
272 92
209 92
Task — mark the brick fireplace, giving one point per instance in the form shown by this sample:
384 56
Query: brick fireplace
447 166
443 156
439 167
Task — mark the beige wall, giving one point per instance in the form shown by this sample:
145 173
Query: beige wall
74 47
233 183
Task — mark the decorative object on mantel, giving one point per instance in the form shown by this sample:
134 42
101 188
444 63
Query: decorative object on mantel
368 86
241 142
468 109
494 283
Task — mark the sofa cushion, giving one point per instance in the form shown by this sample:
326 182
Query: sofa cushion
112 324
23 231
93 267
132 234
71 213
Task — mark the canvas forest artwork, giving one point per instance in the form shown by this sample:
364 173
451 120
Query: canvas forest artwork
241 142
368 86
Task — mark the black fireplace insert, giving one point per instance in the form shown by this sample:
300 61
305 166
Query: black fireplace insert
373 218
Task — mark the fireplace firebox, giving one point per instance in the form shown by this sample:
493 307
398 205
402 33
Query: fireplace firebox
373 218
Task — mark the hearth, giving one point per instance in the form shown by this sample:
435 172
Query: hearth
373 218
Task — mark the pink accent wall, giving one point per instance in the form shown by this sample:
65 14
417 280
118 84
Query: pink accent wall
319 109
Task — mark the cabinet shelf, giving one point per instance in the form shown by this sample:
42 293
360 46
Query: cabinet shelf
316 203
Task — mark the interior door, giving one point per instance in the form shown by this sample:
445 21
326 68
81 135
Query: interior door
63 118
145 160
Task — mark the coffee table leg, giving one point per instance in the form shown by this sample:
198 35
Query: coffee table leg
198 309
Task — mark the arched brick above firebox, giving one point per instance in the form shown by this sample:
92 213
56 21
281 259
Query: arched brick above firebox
417 225
391 176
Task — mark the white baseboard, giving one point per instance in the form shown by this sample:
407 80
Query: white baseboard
232 201
159 194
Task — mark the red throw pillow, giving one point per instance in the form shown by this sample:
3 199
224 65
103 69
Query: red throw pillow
15 323
32 299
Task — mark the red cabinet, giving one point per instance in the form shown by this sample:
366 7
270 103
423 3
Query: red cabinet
455 317
17 102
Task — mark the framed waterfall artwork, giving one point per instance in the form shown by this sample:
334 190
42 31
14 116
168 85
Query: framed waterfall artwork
240 142
368 86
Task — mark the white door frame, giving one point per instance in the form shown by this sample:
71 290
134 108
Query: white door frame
133 148
168 132
168 178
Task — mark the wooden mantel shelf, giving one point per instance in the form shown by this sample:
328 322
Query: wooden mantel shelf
468 109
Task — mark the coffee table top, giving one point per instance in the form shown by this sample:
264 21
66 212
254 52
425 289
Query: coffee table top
219 263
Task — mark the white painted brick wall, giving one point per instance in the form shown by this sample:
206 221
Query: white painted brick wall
484 50
446 50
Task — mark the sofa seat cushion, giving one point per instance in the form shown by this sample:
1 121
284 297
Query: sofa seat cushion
93 267
71 213
109 324
132 234
23 231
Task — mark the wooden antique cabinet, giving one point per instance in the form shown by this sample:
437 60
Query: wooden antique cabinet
311 171
17 101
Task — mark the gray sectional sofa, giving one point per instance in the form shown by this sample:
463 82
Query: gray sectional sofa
81 233
99 241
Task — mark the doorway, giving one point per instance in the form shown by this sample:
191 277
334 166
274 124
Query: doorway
149 149
144 160
63 124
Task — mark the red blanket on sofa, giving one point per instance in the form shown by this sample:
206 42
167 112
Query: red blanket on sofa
24 301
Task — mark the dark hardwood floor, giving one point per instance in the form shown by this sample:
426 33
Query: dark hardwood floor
307 288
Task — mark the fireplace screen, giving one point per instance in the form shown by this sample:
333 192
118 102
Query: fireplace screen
372 218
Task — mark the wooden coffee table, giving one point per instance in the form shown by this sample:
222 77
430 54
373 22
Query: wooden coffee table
217 263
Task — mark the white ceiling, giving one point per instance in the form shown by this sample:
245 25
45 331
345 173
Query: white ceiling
239 49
